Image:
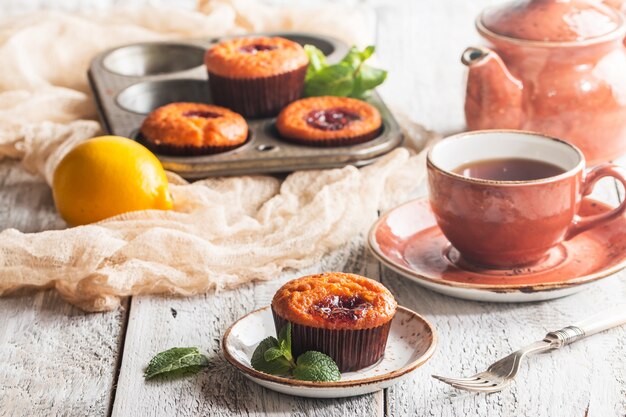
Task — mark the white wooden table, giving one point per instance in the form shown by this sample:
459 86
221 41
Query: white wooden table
58 361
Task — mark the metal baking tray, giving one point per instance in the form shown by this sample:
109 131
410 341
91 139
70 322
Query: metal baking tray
130 81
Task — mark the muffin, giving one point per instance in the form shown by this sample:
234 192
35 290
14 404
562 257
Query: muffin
329 121
193 129
345 316
256 76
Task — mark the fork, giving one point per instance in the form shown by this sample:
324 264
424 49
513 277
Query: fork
500 375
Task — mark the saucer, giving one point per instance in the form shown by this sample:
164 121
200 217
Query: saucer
411 343
408 240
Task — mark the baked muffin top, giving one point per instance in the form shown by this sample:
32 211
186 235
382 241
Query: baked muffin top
335 300
194 124
327 117
255 57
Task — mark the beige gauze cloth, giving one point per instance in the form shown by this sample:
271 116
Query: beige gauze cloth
222 231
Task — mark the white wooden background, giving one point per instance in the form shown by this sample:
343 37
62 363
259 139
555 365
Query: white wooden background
57 361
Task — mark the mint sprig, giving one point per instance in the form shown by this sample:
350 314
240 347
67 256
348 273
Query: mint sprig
269 358
176 361
273 356
351 77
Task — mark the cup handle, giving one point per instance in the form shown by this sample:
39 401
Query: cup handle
580 224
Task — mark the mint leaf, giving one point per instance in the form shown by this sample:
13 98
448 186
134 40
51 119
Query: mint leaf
176 360
367 52
335 80
353 58
356 58
317 60
367 79
273 353
277 366
284 341
349 78
316 366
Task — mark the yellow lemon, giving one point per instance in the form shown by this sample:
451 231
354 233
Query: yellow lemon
106 176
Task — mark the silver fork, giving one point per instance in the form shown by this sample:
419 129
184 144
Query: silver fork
500 375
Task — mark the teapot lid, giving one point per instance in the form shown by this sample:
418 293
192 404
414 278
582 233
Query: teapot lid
550 20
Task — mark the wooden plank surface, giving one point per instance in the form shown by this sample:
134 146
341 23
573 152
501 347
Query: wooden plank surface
584 379
54 359
222 390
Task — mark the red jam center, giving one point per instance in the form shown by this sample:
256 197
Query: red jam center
341 308
254 48
203 114
331 119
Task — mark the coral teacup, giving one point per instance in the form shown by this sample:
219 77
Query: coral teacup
508 224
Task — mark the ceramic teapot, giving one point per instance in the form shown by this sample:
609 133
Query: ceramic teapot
553 66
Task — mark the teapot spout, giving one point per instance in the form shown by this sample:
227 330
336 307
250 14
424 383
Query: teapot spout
494 95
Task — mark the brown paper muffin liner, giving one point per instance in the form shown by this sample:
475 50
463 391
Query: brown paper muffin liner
185 150
257 97
350 349
328 143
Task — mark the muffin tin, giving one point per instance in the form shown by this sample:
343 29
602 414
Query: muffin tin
132 80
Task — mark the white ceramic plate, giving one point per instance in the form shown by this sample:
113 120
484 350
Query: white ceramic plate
411 343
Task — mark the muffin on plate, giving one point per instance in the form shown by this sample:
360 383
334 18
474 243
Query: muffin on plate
256 76
329 121
193 129
345 316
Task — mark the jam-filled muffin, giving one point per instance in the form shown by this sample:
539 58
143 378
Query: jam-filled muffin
193 129
256 76
329 121
345 316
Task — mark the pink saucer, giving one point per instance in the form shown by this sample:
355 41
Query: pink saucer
408 240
